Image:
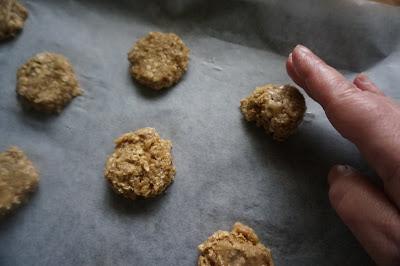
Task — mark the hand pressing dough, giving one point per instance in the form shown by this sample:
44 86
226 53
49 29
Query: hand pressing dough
18 177
159 60
141 165
240 247
12 18
279 109
47 82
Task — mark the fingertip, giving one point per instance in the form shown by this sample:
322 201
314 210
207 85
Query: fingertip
297 56
338 171
324 83
343 181
305 62
368 213
292 72
302 49
300 52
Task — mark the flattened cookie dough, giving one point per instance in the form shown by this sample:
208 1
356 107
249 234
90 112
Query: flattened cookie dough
12 18
277 108
18 177
159 60
240 247
47 82
141 165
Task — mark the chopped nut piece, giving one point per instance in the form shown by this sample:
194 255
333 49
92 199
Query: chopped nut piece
18 177
159 60
141 164
47 82
240 247
12 18
279 109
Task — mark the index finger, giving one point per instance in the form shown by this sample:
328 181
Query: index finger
322 82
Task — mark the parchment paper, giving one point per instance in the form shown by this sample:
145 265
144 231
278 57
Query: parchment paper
227 170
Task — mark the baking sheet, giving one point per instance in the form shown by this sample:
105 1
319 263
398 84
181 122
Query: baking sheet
227 170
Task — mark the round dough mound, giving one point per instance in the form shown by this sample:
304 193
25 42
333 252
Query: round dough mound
159 60
12 18
18 177
141 164
47 82
240 247
277 108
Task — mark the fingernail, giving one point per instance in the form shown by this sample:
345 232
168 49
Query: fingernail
339 171
344 169
290 56
302 49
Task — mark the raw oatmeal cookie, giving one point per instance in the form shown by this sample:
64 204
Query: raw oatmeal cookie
18 177
141 165
277 108
47 82
12 18
159 60
240 247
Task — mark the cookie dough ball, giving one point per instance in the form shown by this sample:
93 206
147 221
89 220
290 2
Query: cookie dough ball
279 109
18 177
47 82
159 60
240 247
12 18
141 165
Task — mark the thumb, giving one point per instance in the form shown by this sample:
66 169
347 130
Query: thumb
367 212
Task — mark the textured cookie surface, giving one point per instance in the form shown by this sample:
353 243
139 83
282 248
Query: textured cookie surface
240 247
47 82
12 18
277 108
141 165
18 177
158 60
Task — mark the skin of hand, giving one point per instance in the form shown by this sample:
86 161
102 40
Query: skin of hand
361 113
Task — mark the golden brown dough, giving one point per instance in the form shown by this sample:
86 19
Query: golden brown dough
18 177
279 109
12 18
141 164
240 247
47 82
159 60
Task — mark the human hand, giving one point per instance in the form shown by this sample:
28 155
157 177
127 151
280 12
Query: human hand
361 113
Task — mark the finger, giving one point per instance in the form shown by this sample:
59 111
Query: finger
292 72
371 122
364 83
323 83
367 212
